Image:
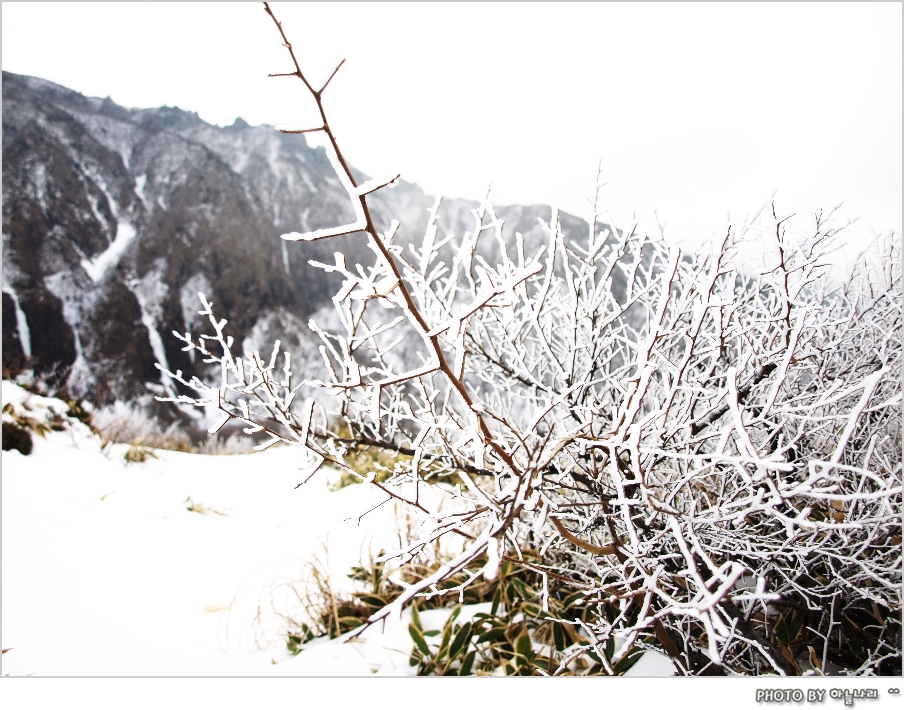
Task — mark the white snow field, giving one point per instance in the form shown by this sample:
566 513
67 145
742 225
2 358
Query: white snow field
106 571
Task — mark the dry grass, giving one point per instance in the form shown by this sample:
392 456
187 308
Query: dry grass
138 453
294 606
216 445
202 509
127 424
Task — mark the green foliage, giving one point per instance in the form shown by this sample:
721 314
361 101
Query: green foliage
518 636
299 638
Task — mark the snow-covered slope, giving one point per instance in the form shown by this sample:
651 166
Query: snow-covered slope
106 571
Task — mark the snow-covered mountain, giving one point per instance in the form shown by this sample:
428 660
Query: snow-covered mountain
114 219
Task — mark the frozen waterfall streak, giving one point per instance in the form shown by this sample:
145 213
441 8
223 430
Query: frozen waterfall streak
21 322
110 257
364 222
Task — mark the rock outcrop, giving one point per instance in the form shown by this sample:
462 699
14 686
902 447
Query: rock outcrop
114 219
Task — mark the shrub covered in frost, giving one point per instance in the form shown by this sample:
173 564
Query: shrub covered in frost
709 458
130 424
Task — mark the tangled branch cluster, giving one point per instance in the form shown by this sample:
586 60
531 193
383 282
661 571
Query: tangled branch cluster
708 454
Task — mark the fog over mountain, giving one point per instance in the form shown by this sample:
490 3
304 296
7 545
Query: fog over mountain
114 219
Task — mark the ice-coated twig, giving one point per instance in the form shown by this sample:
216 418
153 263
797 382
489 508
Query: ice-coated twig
656 427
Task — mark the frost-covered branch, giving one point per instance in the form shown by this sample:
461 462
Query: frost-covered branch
695 444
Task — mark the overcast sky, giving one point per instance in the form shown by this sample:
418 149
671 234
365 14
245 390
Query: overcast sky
694 110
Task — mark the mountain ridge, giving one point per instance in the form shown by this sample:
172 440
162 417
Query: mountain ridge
114 219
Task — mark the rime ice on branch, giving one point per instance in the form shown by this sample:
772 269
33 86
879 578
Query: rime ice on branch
695 450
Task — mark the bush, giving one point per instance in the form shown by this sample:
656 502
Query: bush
16 438
515 636
709 455
218 445
130 424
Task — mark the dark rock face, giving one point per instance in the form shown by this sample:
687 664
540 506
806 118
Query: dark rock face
13 356
114 219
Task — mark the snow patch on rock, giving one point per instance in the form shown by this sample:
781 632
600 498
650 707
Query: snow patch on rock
110 257
140 183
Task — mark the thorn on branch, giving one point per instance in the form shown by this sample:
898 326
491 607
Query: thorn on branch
375 184
327 82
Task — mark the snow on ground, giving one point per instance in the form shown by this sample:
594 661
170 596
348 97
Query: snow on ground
106 571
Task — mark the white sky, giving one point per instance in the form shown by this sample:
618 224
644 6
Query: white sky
694 109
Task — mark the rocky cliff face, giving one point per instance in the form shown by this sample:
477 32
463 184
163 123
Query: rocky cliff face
114 219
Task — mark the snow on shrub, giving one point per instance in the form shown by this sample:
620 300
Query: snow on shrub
126 423
710 457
